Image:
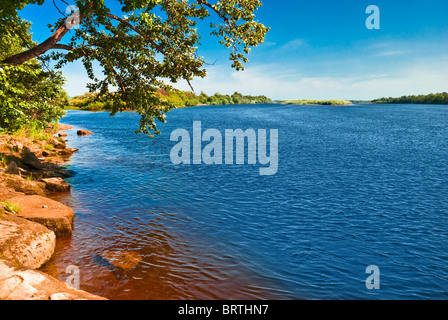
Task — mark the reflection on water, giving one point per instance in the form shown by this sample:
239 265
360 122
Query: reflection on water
170 268
356 186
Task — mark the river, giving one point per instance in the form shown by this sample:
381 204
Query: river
356 186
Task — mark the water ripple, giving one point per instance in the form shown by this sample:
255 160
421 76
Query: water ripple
355 186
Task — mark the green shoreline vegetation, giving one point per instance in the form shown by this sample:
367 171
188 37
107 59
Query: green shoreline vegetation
180 99
432 98
317 102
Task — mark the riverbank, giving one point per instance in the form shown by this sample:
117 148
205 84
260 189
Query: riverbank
31 169
317 102
179 99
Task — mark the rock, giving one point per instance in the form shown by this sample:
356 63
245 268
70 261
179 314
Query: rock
16 145
20 184
57 143
25 243
123 260
83 132
56 184
30 159
67 152
62 134
62 127
24 284
49 153
5 192
63 296
55 216
12 168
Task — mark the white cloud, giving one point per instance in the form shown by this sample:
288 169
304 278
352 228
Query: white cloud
293 44
279 82
391 53
347 78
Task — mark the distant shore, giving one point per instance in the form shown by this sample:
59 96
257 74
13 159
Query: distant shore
317 102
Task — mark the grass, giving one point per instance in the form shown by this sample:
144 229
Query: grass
35 132
11 207
49 147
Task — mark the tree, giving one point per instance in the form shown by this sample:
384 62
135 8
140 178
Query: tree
237 98
437 98
29 95
154 40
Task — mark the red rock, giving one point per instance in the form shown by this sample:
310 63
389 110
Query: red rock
83 132
52 214
62 127
56 184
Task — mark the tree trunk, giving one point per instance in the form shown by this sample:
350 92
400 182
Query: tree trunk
39 49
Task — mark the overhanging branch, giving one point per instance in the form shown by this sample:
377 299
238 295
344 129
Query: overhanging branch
39 49
62 46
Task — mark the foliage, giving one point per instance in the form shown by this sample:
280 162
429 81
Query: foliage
35 132
317 102
174 97
433 98
151 44
89 101
29 95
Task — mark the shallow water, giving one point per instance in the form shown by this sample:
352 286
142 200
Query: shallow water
356 186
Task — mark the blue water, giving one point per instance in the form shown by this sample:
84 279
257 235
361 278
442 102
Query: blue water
356 186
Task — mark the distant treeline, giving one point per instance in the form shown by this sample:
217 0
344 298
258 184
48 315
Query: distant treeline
317 102
433 98
179 99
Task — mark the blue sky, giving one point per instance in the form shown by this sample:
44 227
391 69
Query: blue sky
318 49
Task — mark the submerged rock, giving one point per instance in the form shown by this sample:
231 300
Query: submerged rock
121 259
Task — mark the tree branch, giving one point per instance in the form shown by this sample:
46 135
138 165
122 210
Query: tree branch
126 23
62 46
207 4
39 49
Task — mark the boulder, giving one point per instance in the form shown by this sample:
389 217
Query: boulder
57 143
62 134
24 284
49 153
56 184
16 145
67 152
20 184
24 242
52 214
64 127
12 168
83 132
30 160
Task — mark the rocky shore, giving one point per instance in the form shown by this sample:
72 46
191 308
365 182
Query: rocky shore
30 222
